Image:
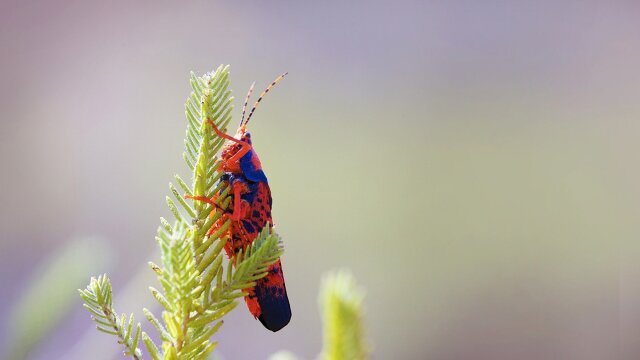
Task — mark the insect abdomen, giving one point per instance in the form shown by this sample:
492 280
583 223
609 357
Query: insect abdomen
268 300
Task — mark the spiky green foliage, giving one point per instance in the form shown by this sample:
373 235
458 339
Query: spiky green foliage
341 304
197 288
98 300
195 295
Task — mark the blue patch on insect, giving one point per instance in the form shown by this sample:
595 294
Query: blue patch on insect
249 169
234 178
248 226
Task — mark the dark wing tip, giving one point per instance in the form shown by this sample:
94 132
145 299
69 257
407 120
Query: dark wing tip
276 313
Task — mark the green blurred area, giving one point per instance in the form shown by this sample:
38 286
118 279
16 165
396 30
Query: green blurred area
48 297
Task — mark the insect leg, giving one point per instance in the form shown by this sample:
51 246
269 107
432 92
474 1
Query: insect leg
213 203
240 206
245 147
204 199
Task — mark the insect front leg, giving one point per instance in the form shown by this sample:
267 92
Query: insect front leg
244 149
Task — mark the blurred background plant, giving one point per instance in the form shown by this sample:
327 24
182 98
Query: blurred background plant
341 303
342 308
49 297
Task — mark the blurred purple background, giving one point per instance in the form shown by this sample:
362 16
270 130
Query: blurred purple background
473 163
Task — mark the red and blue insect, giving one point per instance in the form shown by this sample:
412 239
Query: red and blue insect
250 212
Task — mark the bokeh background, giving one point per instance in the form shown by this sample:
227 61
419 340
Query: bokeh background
473 163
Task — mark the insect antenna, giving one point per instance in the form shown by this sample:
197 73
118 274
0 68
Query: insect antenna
277 80
246 101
